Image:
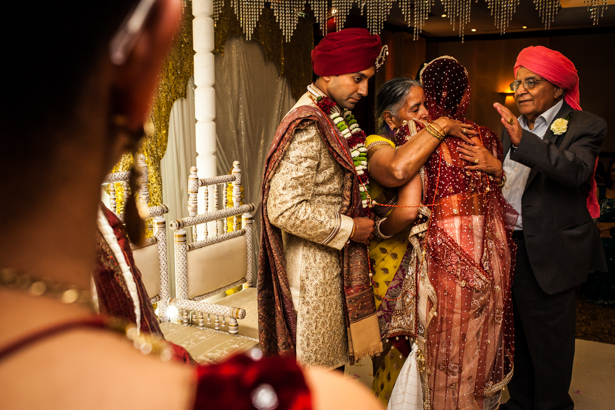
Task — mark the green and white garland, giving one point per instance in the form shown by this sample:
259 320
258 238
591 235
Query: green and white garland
354 135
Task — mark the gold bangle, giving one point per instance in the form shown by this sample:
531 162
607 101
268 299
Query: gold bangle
434 132
441 127
440 133
501 184
354 226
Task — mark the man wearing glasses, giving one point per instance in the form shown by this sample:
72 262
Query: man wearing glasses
550 152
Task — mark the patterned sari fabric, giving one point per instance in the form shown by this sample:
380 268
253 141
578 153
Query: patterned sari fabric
277 316
470 257
397 277
114 298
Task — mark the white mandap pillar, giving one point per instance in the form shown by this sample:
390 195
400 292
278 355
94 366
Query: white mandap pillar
204 94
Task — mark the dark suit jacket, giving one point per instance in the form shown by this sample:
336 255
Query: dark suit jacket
563 243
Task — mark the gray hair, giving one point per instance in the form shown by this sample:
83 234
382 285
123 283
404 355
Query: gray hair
391 97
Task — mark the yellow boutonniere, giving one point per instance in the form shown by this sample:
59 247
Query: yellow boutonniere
559 126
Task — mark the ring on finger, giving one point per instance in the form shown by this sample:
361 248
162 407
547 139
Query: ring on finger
475 161
511 120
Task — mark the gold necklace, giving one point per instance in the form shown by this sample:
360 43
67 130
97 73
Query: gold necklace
12 279
147 344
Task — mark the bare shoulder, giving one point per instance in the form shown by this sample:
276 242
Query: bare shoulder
94 369
332 391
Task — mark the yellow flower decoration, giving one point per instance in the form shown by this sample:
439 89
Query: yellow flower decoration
559 126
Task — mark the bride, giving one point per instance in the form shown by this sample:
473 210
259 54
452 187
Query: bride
450 293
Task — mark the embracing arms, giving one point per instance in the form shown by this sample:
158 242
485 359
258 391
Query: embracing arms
409 198
393 168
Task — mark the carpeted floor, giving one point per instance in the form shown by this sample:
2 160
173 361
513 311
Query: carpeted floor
594 322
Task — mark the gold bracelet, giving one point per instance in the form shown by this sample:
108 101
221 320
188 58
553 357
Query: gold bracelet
434 129
434 133
441 127
354 226
501 184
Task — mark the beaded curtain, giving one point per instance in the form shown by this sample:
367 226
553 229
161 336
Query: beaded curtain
288 13
293 57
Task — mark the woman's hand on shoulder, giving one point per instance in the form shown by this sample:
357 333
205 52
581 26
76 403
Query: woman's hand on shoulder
457 129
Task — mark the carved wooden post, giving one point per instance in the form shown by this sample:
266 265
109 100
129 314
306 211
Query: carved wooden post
246 223
236 190
181 269
160 232
193 202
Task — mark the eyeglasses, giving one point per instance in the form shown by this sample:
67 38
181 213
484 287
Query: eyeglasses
528 83
125 38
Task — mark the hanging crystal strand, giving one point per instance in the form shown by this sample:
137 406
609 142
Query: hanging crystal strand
248 13
287 15
596 9
458 12
343 8
422 8
218 4
377 12
319 7
547 10
502 12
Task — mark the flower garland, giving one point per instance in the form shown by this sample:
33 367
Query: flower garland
348 126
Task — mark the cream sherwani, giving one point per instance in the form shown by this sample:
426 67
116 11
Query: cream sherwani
304 202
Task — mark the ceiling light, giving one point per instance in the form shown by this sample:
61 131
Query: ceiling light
444 15
524 27
473 29
333 11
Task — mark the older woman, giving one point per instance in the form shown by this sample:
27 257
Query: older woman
451 293
102 61
397 100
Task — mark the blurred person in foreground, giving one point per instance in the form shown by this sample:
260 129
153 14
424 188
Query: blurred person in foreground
102 60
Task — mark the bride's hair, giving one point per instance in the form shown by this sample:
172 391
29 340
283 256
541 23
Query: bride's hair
391 97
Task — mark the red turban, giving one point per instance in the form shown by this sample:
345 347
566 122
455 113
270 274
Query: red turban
346 51
554 67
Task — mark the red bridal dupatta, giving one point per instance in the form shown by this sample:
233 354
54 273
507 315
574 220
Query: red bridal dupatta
470 256
276 315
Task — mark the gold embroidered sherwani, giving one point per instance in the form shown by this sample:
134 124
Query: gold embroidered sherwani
304 202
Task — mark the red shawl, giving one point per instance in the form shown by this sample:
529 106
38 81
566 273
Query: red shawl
114 299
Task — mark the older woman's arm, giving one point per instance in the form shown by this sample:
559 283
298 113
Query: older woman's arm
408 195
393 168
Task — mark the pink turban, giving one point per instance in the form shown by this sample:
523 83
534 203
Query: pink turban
346 51
554 67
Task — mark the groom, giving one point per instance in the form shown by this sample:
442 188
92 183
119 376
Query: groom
550 151
314 292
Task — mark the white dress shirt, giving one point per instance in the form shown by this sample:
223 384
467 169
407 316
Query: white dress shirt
517 173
